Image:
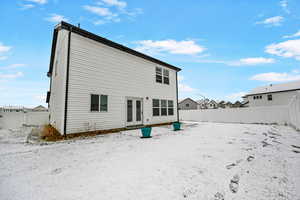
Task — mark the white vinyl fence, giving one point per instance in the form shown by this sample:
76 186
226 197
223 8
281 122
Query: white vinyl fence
19 119
294 111
289 114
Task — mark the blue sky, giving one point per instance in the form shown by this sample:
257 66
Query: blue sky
225 47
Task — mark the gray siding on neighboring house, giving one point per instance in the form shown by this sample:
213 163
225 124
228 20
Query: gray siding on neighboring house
188 104
278 98
58 82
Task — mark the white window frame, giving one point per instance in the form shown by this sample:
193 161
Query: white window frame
170 107
166 74
157 107
165 107
159 74
99 103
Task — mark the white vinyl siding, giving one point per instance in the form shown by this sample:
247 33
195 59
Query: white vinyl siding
278 98
58 82
96 68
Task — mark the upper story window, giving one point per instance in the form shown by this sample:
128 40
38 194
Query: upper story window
166 76
270 98
158 74
187 105
162 75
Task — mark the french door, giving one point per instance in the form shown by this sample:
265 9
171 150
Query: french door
134 111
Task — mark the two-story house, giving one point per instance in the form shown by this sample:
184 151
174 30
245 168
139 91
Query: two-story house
97 84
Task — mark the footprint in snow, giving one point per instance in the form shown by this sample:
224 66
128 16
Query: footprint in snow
234 183
219 196
250 158
234 164
56 171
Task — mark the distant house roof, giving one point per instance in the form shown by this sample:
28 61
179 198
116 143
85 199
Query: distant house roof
187 99
290 86
39 108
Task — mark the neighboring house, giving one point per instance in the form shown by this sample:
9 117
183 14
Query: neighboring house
221 104
188 104
237 104
202 104
273 94
245 103
212 104
228 105
39 108
97 84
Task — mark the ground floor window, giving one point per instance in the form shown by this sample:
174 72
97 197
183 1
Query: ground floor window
99 103
155 107
170 108
162 107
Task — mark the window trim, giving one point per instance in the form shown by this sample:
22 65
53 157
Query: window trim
99 105
166 76
91 103
161 74
165 107
156 108
165 73
170 107
268 97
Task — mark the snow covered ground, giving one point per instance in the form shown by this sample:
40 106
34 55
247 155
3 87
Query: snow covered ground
203 161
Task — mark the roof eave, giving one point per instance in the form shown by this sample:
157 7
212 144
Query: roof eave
75 29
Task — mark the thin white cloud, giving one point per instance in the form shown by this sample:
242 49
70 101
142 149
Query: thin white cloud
12 66
55 18
4 48
183 87
38 1
277 77
287 49
105 13
284 5
3 57
11 76
297 34
27 6
272 21
111 11
252 61
185 47
119 4
98 10
235 96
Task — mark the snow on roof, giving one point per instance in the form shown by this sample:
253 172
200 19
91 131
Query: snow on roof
295 85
